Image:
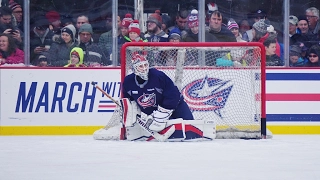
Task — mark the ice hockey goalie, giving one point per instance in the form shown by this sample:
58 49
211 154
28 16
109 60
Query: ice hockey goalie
153 108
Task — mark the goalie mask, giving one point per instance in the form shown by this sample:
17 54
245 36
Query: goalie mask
140 66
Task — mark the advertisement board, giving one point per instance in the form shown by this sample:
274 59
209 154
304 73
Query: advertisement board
38 101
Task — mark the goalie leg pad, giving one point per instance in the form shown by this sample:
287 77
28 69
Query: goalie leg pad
129 111
136 133
185 130
196 130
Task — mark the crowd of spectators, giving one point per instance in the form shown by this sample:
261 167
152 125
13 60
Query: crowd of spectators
55 40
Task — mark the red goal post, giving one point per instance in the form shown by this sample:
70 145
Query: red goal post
223 81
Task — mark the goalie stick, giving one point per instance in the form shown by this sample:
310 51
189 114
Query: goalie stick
142 124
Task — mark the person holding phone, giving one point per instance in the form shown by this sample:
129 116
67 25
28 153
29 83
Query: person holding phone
7 27
40 39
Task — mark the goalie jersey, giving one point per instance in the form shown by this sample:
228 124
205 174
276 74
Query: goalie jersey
157 90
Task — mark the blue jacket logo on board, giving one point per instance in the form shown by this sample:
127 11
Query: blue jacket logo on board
207 94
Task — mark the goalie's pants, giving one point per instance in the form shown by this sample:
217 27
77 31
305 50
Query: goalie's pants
182 111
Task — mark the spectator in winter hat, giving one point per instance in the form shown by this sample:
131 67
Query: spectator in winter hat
260 34
59 52
126 21
17 13
94 56
85 33
295 57
193 30
76 58
313 56
193 21
175 35
166 23
293 21
40 38
155 18
134 32
154 31
259 29
71 31
234 28
303 25
54 20
255 17
303 35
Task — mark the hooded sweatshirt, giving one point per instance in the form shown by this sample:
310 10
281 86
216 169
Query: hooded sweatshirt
80 63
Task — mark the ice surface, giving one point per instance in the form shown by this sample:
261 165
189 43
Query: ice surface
81 157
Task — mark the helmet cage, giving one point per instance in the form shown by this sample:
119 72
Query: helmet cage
140 66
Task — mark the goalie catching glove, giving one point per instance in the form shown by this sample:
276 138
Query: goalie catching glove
158 119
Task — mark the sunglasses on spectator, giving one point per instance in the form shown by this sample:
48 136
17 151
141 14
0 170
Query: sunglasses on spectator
313 56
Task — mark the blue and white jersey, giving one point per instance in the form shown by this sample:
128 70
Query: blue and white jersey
157 90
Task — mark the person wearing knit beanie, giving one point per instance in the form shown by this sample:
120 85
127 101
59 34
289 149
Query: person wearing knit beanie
155 18
16 10
261 26
295 50
134 31
54 19
53 16
232 24
13 5
234 28
303 24
193 20
313 56
166 22
71 30
85 33
126 21
86 28
295 56
175 35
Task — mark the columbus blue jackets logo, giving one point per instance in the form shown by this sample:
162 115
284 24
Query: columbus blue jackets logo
147 100
207 94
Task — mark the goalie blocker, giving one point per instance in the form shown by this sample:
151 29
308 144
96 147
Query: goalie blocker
136 124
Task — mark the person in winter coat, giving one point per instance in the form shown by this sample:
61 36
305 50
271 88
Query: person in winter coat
58 54
295 57
272 59
9 53
313 56
76 58
134 32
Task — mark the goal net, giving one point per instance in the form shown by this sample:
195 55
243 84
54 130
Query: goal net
224 82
